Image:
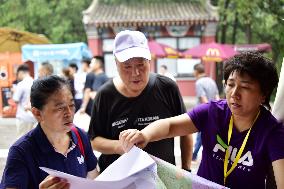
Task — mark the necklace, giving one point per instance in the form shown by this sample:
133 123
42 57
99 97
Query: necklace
226 161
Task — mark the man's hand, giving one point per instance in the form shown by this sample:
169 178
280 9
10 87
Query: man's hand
82 110
131 137
93 94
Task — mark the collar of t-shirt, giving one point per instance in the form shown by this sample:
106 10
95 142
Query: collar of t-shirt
45 146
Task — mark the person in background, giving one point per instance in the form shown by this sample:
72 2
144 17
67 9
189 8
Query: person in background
54 143
12 105
66 74
73 68
21 96
94 80
134 99
86 66
45 69
206 90
164 71
240 136
15 82
79 81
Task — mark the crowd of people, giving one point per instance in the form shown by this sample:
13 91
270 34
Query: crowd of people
241 139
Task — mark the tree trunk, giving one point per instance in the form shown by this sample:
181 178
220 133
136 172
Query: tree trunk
224 22
248 33
235 26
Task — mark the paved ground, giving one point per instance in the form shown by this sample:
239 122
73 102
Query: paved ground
8 137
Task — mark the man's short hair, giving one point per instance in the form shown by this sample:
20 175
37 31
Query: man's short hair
74 66
23 68
199 68
100 58
164 66
87 61
48 67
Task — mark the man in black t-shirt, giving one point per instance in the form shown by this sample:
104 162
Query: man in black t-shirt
133 100
94 80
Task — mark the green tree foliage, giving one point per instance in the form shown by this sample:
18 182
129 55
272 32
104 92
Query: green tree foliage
59 20
254 21
241 21
145 1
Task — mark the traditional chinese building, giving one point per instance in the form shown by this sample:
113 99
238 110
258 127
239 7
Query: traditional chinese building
179 25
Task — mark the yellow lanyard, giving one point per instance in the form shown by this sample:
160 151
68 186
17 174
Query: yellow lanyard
226 161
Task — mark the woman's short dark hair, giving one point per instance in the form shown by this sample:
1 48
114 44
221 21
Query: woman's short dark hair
258 68
43 88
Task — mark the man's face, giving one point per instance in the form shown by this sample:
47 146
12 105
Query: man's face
20 75
43 72
85 67
162 70
95 64
72 70
134 73
195 73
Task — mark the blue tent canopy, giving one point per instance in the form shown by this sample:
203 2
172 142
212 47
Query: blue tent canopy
66 52
59 55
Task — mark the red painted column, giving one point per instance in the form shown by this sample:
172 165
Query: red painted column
95 45
208 37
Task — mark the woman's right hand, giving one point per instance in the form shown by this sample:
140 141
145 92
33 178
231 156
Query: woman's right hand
51 182
129 138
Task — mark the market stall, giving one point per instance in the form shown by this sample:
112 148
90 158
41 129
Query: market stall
59 55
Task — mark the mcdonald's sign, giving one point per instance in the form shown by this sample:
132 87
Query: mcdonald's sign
211 59
213 52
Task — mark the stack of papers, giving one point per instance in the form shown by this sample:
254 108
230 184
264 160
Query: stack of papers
137 170
133 170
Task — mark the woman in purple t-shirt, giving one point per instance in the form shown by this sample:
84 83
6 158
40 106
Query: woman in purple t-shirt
240 137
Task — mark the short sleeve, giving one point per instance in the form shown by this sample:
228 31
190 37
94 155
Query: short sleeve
97 125
18 92
199 115
276 143
16 173
199 90
89 81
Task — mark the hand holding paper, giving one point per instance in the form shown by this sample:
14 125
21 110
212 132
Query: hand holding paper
54 182
137 170
129 138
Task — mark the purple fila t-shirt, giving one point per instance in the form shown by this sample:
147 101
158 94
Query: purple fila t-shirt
265 145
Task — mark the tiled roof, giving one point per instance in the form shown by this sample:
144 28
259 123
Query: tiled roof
147 14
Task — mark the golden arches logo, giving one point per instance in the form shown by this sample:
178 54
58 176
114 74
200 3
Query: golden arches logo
212 52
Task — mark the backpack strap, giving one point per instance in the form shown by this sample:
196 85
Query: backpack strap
80 143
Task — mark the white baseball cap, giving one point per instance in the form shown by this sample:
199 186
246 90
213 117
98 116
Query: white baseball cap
130 44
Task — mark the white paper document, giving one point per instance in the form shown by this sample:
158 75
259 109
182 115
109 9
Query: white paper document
127 165
133 170
137 170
